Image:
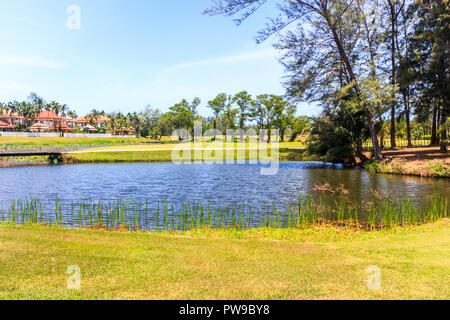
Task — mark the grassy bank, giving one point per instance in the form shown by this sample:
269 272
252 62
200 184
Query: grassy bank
319 263
421 168
26 143
166 156
415 161
163 153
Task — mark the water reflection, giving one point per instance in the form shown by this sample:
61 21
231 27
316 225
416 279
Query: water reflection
224 184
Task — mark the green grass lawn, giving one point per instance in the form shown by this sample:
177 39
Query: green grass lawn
286 154
288 151
14 143
320 263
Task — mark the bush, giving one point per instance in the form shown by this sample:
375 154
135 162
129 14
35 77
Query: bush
440 169
339 134
372 167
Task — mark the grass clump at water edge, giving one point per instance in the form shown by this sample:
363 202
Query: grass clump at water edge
381 212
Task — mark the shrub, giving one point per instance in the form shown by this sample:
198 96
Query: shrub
372 167
440 169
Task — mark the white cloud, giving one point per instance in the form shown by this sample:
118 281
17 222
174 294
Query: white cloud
267 53
13 86
11 90
34 62
116 86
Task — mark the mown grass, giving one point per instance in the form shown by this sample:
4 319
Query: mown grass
15 143
319 263
166 156
39 142
288 151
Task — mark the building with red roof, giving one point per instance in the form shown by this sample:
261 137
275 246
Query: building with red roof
5 126
50 119
12 118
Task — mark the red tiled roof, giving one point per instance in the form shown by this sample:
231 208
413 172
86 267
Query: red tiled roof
48 115
4 125
64 128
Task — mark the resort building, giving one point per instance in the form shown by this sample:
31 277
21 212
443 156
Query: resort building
6 127
86 122
11 118
69 122
49 121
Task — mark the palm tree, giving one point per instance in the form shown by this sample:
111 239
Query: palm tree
37 102
3 108
135 120
28 111
94 116
14 107
63 109
72 114
57 108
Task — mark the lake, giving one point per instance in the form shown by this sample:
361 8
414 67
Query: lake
219 185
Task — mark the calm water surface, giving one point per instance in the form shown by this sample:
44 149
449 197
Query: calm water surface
224 184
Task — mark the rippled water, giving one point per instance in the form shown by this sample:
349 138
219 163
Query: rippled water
224 184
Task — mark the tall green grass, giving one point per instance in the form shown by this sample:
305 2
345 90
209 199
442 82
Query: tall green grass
160 216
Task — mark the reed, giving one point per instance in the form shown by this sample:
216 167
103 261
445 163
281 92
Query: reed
378 213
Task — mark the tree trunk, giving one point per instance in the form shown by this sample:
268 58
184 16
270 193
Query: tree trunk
408 127
408 119
444 142
393 131
438 126
373 134
393 80
381 133
433 127
359 152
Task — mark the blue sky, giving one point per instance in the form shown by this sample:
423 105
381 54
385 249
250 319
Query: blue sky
129 54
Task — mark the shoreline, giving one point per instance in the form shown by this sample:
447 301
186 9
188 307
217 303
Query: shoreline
351 231
415 161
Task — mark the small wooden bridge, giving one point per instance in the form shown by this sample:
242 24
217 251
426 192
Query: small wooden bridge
30 154
54 157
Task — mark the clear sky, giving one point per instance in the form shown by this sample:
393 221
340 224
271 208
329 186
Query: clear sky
129 54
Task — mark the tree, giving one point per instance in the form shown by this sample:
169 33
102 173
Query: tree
230 115
320 49
72 114
431 45
244 100
184 114
149 119
3 108
135 121
300 126
339 133
258 111
165 125
284 115
37 102
218 105
95 115
394 8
